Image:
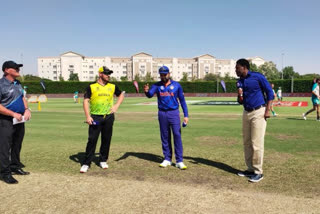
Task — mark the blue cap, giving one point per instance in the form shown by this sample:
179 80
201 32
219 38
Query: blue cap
163 70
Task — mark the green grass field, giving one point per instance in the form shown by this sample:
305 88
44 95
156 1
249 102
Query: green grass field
56 138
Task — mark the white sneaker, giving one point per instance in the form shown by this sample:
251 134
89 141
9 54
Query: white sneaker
165 163
84 168
304 116
181 165
104 165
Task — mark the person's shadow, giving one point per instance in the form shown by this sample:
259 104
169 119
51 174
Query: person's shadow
194 160
142 155
219 165
79 158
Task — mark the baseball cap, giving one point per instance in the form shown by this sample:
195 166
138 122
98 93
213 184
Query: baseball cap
163 70
105 70
10 64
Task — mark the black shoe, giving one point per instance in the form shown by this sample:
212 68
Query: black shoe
9 179
19 172
246 174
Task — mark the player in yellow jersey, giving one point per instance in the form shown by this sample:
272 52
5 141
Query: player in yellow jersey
100 116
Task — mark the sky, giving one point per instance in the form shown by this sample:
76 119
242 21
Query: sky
286 32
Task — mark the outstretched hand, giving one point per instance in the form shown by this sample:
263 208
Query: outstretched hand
146 87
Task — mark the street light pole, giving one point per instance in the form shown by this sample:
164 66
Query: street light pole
282 54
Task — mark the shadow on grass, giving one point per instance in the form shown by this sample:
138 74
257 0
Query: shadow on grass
79 158
142 155
216 164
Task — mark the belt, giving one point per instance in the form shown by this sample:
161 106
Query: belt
253 109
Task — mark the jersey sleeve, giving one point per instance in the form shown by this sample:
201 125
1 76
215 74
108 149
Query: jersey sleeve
183 101
117 91
239 84
87 93
151 91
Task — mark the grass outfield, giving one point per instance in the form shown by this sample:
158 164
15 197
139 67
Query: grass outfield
56 138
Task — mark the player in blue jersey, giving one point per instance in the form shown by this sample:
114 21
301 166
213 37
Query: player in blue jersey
169 95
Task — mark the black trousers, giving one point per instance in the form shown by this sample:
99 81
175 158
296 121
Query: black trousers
11 137
104 127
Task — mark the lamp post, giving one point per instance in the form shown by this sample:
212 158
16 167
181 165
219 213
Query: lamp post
282 54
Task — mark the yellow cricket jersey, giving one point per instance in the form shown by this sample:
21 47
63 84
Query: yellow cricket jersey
101 97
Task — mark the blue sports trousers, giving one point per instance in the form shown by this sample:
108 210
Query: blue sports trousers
170 121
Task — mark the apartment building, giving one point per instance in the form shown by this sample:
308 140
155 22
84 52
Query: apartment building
55 68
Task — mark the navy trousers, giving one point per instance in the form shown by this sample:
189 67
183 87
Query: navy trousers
11 137
170 121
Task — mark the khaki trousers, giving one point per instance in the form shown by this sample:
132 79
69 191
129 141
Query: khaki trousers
253 130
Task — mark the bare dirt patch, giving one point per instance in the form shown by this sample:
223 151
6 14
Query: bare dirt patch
53 193
284 137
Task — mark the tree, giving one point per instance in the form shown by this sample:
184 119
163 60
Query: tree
269 70
148 77
210 77
124 78
288 73
30 77
253 67
137 77
184 77
309 76
61 78
73 77
113 79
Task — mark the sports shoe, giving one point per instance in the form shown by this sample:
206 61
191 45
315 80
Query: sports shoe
104 165
256 178
304 116
84 168
245 173
275 114
181 165
165 163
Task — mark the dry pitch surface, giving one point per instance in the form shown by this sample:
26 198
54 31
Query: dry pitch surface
54 193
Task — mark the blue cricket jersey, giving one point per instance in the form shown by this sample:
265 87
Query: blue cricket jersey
168 96
254 85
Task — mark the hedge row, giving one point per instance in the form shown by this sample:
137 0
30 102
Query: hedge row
300 86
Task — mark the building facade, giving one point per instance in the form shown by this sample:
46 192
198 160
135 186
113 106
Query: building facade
57 68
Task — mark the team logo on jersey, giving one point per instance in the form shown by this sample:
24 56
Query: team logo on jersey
97 88
238 84
172 87
162 88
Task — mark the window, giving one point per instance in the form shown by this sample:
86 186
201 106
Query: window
71 66
54 66
54 72
90 72
90 66
124 72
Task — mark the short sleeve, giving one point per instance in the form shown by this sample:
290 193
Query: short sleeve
239 84
87 93
117 91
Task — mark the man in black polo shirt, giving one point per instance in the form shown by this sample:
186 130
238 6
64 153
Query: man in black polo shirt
13 106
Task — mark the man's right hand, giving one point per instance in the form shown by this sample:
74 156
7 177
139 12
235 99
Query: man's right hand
146 88
17 116
89 120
